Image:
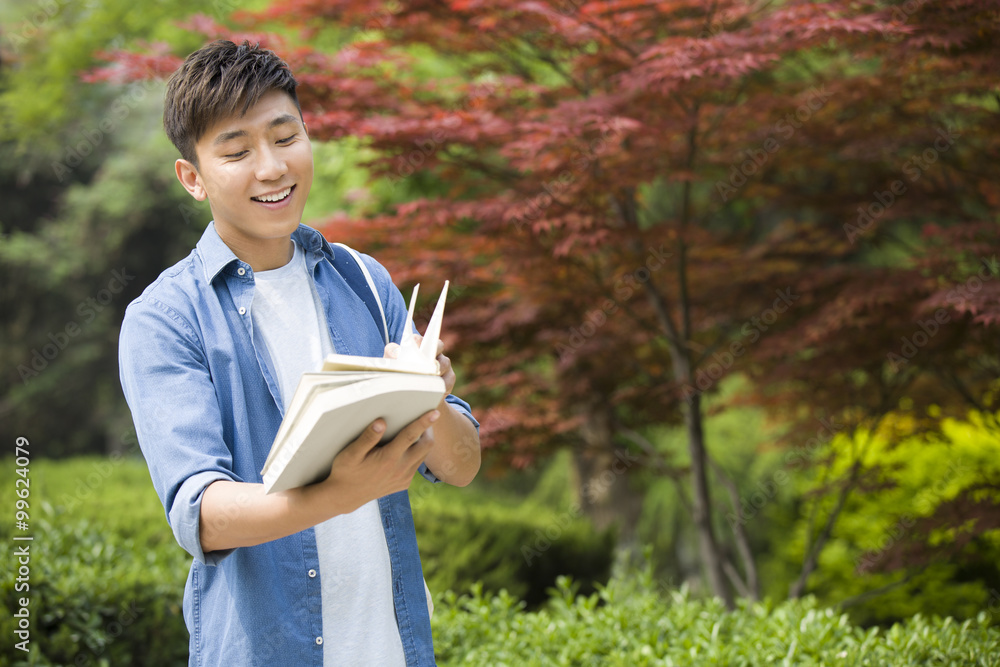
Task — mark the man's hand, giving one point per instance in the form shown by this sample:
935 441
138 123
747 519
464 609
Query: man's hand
444 363
455 455
237 514
363 471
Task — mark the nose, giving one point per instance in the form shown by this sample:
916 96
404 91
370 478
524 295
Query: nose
270 165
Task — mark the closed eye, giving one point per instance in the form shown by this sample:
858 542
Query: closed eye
286 139
235 155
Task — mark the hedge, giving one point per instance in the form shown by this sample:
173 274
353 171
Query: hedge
108 578
634 622
107 582
522 551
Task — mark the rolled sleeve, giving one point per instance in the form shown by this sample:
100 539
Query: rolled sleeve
185 516
462 407
176 414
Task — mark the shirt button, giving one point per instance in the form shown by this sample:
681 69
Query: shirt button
312 573
241 271
319 641
243 311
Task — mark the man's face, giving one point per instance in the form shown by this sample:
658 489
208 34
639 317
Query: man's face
255 170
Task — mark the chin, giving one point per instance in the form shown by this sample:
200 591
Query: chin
279 229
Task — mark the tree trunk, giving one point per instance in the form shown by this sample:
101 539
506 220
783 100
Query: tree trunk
701 502
677 339
605 493
701 505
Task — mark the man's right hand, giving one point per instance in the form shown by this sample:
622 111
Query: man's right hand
364 471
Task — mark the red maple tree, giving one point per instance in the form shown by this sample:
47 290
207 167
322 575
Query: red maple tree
638 199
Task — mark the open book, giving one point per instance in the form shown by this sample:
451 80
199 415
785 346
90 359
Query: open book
332 407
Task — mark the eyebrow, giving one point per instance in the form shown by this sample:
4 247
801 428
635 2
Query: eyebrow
235 134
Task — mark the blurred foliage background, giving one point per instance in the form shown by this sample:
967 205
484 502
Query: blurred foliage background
96 214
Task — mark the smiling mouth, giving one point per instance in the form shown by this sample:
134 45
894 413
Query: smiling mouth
275 197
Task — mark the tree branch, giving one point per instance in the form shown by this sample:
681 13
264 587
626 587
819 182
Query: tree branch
656 458
682 289
752 586
554 65
875 592
657 300
734 578
812 558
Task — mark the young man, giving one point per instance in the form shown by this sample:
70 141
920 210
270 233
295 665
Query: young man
210 354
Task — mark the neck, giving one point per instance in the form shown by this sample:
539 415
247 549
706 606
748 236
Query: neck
260 254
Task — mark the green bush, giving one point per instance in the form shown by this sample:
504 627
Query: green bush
107 578
97 598
633 622
464 538
107 582
906 480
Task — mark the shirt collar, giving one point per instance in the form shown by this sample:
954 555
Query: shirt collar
216 255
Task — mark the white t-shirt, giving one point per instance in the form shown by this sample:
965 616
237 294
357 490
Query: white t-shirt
355 575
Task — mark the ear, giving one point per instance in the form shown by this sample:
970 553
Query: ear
189 177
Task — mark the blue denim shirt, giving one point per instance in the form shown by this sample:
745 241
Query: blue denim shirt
207 408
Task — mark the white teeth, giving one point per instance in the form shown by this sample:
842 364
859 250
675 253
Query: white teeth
278 196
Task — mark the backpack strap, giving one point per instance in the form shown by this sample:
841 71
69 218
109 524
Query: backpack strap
350 266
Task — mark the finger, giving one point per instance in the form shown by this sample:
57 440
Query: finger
418 451
447 372
444 364
367 441
391 351
412 432
440 349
